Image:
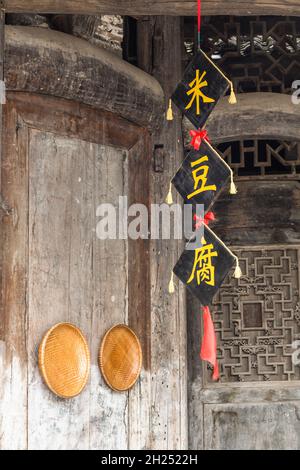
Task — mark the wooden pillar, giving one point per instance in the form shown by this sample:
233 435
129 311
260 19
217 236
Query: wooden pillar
159 53
2 22
3 206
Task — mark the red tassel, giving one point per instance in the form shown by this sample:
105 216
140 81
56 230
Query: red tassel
209 343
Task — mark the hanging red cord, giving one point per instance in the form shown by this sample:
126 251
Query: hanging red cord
199 23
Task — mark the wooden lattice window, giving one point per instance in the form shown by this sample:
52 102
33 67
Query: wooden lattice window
257 317
261 157
259 53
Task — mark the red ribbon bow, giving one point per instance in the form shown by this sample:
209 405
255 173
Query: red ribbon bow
209 217
197 137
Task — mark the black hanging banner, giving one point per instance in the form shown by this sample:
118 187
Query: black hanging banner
202 86
204 269
202 176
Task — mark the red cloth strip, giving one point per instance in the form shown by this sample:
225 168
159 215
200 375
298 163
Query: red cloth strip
209 343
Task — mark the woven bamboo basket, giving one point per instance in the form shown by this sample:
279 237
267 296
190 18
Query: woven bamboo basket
120 358
64 360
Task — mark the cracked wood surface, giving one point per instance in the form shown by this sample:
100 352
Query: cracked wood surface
49 62
54 175
155 7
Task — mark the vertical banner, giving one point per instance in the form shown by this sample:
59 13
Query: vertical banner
204 269
202 176
200 89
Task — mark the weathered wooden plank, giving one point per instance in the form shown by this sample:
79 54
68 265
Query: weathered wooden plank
108 409
252 426
265 115
14 252
78 120
155 7
195 373
139 312
53 63
59 279
168 321
243 393
264 213
70 276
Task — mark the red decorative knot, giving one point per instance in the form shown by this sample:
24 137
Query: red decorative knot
209 217
197 137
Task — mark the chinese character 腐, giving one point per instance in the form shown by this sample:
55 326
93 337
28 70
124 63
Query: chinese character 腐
203 269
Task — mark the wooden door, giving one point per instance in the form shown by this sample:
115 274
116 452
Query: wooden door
256 404
60 161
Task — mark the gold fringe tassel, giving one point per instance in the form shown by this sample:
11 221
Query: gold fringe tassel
237 272
169 198
170 112
233 188
171 288
232 98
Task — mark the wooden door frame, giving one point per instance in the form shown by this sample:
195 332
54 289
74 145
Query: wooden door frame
264 115
48 62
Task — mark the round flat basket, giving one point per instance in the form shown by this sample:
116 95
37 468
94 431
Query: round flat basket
120 358
64 360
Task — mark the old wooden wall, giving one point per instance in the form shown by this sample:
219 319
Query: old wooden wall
168 313
57 167
156 7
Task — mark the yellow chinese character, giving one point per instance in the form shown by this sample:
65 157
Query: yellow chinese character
200 177
196 86
203 269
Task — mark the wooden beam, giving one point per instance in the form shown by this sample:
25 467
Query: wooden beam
49 62
261 115
156 7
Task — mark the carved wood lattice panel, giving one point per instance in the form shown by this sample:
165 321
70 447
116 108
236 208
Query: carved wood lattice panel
259 157
257 317
259 53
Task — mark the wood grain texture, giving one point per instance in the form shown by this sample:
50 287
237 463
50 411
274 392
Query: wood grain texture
156 7
277 221
264 115
63 273
139 307
76 121
252 426
14 255
59 281
108 409
49 62
168 327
